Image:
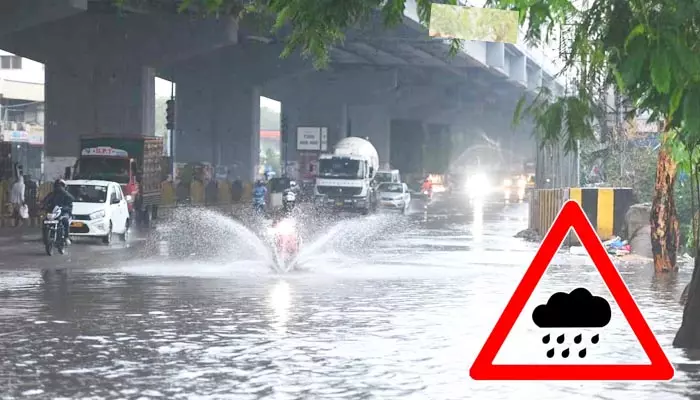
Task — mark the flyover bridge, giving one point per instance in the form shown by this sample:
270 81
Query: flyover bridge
398 87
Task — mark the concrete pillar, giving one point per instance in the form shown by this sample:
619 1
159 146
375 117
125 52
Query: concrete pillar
303 112
86 97
373 122
218 121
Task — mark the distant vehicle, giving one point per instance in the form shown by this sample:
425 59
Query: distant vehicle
514 188
394 196
100 210
134 162
345 178
388 176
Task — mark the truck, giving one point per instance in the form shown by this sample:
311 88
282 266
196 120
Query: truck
134 162
344 180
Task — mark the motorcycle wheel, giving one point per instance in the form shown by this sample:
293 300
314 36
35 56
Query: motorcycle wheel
49 247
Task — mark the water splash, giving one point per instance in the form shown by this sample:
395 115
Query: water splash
346 238
206 234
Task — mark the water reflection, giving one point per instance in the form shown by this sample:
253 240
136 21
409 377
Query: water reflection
280 301
478 221
409 332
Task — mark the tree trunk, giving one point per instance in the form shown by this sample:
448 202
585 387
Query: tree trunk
665 233
688 335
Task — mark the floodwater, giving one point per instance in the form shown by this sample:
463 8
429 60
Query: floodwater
399 313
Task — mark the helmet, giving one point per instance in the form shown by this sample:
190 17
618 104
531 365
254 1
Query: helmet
293 184
59 183
259 182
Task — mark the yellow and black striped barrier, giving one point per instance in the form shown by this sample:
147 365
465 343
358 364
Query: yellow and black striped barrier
605 207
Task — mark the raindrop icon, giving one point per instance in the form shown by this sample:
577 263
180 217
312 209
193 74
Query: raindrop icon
560 339
595 338
577 339
565 353
545 339
550 353
582 353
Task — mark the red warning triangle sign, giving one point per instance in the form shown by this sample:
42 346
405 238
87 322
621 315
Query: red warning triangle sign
572 216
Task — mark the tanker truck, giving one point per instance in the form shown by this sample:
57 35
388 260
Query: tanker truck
344 178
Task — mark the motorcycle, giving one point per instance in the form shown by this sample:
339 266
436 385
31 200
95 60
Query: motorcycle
259 208
286 241
289 199
52 232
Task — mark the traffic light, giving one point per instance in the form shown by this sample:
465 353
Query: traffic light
170 114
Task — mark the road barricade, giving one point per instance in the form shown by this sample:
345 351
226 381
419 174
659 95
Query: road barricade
605 207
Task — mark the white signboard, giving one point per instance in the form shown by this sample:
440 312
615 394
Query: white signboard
104 151
324 139
308 138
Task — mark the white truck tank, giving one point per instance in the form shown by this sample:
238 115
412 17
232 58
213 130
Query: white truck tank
357 147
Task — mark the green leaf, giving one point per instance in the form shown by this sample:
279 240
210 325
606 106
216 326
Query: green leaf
638 30
676 98
691 105
660 72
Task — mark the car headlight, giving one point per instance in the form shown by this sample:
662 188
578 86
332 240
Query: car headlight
507 182
522 183
97 214
478 182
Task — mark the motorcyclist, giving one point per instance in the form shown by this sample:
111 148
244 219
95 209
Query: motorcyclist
259 194
60 197
427 186
286 235
289 197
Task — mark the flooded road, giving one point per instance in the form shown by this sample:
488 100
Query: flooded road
385 307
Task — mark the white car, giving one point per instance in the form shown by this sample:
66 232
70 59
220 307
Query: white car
99 210
394 196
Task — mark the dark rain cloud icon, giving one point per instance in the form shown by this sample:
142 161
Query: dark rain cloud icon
578 309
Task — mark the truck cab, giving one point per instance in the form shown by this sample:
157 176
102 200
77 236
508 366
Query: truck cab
343 183
107 166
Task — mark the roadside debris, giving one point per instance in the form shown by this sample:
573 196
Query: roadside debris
530 235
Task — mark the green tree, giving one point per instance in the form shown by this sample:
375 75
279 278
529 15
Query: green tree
272 159
269 119
160 129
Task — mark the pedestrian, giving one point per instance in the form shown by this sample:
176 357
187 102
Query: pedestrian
31 192
17 199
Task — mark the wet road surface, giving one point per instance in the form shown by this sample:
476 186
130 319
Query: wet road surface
385 307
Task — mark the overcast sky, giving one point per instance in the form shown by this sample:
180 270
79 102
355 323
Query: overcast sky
163 90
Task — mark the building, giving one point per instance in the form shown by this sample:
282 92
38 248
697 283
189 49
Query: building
21 114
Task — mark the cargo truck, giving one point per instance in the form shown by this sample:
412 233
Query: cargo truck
135 162
345 178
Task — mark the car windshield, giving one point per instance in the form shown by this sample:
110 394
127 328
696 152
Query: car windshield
383 177
88 193
102 168
390 188
340 168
